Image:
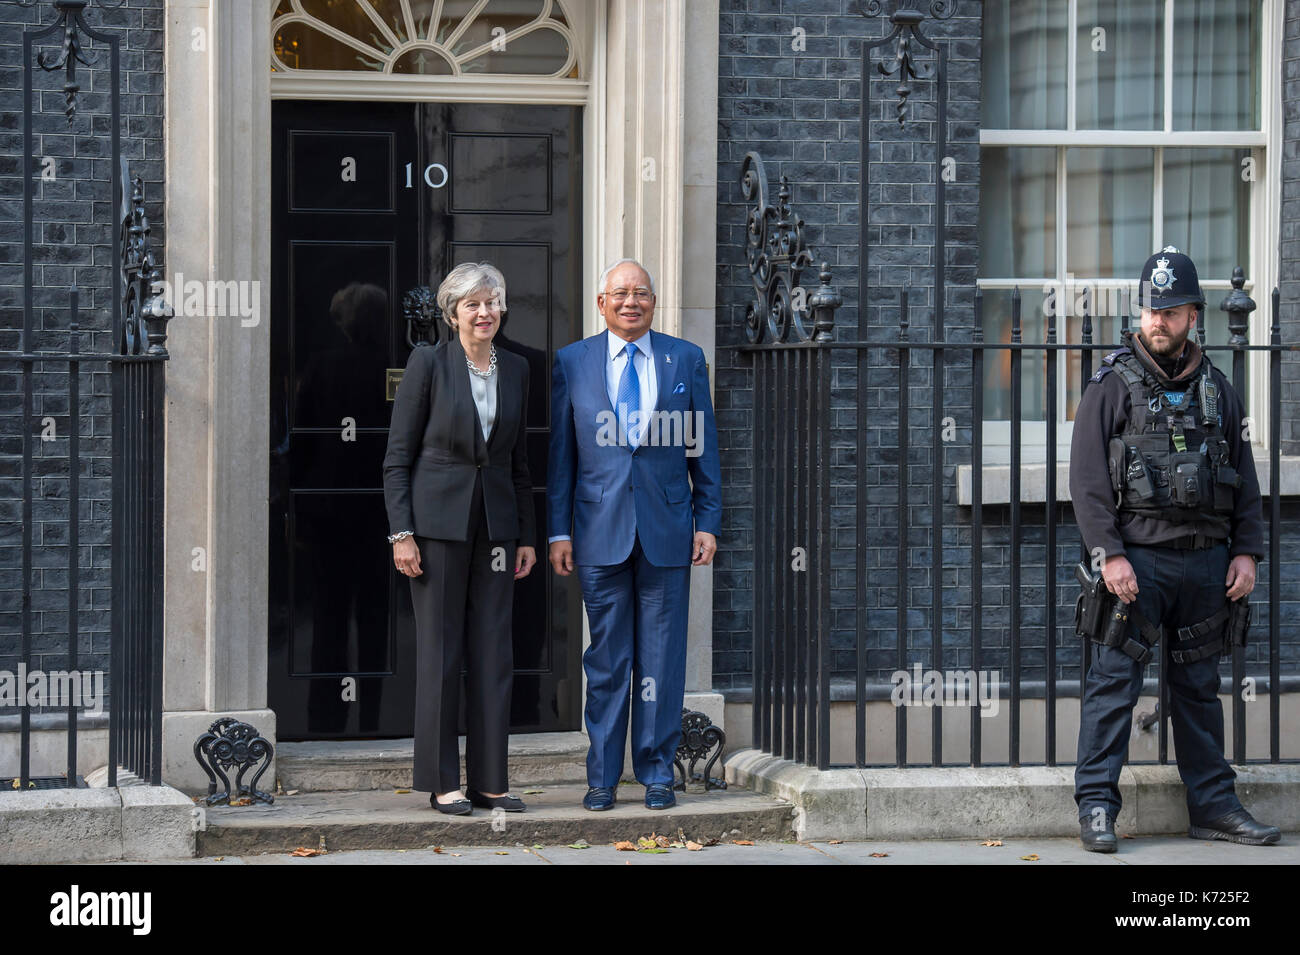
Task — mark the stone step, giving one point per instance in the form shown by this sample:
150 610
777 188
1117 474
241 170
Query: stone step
383 819
349 765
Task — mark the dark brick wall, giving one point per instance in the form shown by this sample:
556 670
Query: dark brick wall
74 221
800 111
1289 240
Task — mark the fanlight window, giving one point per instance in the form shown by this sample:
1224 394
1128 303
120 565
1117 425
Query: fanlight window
430 37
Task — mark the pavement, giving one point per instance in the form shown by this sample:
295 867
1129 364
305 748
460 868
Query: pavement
1139 851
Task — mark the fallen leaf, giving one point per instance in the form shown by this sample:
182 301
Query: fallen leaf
676 845
533 792
625 847
1032 857
437 850
1127 835
303 851
400 792
242 801
647 842
292 792
502 853
456 854
992 842
652 850
835 842
880 855
693 846
742 842
580 844
220 858
663 842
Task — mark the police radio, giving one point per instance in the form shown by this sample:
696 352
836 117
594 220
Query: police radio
1209 400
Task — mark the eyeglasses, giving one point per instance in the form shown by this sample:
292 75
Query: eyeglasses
619 295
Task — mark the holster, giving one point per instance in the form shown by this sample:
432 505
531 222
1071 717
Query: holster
1102 617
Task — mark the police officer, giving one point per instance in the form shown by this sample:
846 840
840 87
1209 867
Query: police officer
1168 503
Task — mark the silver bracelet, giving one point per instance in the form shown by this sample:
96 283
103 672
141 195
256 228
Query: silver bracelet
394 538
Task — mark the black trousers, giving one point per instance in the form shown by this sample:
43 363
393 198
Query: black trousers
463 616
1176 588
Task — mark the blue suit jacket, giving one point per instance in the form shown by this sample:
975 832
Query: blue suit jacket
601 491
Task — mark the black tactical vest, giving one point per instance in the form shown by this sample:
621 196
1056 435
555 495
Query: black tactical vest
1172 463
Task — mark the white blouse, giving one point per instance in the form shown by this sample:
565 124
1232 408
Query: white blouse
485 399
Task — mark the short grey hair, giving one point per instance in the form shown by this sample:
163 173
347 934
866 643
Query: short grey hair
604 276
466 278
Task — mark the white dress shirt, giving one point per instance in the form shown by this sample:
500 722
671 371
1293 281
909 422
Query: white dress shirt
645 370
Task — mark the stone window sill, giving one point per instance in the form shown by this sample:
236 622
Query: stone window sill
1033 480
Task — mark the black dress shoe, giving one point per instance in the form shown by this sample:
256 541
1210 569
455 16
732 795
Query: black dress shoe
659 796
1097 839
508 802
1237 826
598 798
457 807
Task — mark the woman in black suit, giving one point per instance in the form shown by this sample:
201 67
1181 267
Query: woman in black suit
461 520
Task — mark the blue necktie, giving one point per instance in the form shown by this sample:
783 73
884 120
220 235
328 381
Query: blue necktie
629 394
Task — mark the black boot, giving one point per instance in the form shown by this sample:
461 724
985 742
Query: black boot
1098 836
1237 826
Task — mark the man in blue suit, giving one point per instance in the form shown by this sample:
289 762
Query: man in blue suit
631 419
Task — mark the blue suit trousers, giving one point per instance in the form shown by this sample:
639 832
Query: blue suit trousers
638 615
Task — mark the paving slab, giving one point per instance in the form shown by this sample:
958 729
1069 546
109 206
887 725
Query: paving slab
1141 851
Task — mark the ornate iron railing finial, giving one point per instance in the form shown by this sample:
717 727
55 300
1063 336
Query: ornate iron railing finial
778 255
907 24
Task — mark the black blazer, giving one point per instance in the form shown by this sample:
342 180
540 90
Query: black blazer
436 450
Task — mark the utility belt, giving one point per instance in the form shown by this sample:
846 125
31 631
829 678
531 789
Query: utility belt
1102 617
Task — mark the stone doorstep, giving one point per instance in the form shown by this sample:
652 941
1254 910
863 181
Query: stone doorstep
96 825
375 819
989 802
350 765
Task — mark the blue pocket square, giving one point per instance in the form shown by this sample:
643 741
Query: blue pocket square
680 389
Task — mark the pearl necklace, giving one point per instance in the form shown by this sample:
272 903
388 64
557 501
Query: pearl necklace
492 365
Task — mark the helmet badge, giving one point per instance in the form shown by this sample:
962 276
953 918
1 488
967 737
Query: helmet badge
1162 276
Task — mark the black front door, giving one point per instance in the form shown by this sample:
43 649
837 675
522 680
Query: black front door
371 200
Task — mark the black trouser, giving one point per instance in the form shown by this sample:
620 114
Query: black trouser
463 602
1178 587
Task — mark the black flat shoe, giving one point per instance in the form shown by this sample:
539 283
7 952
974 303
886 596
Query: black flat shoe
1237 826
508 802
457 807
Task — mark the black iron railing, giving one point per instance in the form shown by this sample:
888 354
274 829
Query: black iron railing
793 355
136 371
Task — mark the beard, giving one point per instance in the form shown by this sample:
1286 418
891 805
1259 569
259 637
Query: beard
1169 347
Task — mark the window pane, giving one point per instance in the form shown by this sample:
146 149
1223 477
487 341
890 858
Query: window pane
997 363
1216 67
1120 63
1207 209
1023 64
1017 224
1108 211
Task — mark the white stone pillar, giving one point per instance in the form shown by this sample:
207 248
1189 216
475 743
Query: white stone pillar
218 229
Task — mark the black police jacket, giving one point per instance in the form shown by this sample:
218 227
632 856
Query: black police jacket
1103 413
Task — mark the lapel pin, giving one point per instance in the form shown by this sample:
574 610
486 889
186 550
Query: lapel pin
668 359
